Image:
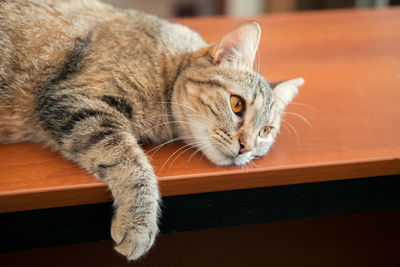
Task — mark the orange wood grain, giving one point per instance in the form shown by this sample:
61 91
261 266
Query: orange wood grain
351 63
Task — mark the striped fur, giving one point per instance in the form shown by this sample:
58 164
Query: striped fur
93 82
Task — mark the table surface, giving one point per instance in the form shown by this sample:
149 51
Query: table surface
345 122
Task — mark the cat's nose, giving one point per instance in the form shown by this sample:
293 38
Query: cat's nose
244 147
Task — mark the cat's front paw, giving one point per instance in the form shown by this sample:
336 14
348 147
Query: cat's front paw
133 233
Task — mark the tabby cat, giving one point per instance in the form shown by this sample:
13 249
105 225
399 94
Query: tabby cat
93 82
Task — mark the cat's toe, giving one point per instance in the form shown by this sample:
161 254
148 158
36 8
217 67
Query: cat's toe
136 242
133 239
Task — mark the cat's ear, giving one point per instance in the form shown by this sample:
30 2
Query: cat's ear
238 46
285 91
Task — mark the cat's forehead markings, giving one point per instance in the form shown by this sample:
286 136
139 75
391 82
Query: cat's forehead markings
254 98
206 82
252 118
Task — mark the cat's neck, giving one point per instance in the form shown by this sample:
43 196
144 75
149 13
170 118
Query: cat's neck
176 65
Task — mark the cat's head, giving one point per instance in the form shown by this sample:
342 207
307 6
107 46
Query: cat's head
223 106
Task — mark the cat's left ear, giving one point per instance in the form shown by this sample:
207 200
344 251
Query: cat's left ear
285 91
238 46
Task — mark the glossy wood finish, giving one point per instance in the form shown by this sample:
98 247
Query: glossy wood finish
351 63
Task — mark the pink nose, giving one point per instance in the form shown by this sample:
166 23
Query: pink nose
244 147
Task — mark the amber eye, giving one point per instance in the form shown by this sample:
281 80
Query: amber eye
264 131
237 104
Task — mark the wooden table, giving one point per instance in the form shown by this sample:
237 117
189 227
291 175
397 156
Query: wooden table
344 124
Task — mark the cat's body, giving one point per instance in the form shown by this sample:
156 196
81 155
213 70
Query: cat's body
93 49
92 82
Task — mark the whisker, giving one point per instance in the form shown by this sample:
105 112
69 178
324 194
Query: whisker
294 130
184 106
169 141
291 126
202 156
199 116
172 122
180 104
305 105
179 149
287 129
301 117
192 109
194 153
253 163
187 149
198 150
247 168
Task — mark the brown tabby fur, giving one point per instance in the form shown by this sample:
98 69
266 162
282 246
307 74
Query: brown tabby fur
92 82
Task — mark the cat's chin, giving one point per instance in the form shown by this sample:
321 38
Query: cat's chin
242 159
222 160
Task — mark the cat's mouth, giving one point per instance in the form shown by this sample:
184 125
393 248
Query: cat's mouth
223 159
242 159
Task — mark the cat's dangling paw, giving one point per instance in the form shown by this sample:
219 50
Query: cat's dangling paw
133 235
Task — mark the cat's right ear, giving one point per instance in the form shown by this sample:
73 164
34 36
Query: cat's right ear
238 46
285 91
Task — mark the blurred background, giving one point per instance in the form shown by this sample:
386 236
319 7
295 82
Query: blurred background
191 8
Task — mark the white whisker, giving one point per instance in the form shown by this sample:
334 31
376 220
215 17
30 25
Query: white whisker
172 122
291 126
198 150
253 163
192 109
301 117
247 168
179 149
294 130
305 105
197 121
287 129
169 141
187 149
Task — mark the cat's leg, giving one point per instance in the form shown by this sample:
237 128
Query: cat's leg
131 179
100 138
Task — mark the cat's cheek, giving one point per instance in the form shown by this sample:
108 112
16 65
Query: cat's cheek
262 148
242 159
218 159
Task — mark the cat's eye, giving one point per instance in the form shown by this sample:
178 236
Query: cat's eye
264 131
237 105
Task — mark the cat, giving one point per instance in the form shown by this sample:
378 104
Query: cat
93 82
